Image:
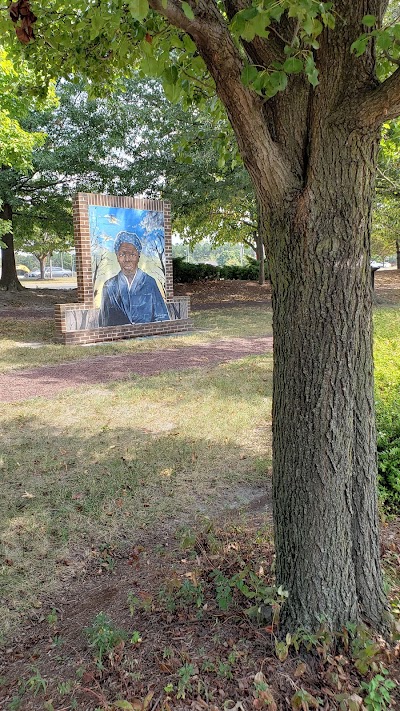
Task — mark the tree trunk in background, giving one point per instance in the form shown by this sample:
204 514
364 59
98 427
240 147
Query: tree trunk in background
42 263
9 278
260 257
398 253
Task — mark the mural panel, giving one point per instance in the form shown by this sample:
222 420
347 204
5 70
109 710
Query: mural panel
124 272
128 265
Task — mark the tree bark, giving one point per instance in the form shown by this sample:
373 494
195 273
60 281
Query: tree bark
260 257
324 481
42 264
311 154
9 278
398 253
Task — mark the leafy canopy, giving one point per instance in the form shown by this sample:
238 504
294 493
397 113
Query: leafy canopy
116 38
17 96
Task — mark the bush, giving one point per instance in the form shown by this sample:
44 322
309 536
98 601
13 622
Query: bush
387 390
388 425
187 273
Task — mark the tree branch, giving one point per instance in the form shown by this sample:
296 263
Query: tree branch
389 180
381 104
264 159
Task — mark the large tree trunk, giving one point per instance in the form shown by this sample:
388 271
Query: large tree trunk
311 154
9 279
324 473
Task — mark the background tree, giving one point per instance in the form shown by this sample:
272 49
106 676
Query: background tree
385 239
386 225
298 81
128 144
16 147
43 228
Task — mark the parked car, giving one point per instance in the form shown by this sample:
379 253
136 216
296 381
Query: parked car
56 272
380 265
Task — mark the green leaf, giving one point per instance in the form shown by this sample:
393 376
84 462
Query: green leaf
123 705
384 40
249 32
150 66
313 77
308 25
249 74
278 80
189 44
293 65
276 12
250 23
164 3
281 650
188 10
172 92
170 74
360 45
329 20
369 20
249 13
139 9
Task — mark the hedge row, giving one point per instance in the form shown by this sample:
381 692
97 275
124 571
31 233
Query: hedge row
388 426
186 273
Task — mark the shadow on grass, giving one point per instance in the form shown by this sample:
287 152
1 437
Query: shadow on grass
27 330
65 495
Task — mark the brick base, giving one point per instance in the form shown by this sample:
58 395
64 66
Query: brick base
67 334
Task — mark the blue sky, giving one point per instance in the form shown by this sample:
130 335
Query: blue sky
106 222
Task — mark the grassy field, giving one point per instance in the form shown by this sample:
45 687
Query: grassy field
30 343
83 470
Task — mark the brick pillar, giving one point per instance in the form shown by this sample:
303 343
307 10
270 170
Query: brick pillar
82 247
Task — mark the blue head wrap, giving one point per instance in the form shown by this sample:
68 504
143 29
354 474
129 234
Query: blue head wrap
129 237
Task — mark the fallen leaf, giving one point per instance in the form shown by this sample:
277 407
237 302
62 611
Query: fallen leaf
300 670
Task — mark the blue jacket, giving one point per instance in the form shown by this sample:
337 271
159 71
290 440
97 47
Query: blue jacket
142 303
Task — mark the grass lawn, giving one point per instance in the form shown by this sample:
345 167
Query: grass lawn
87 468
20 339
87 473
83 469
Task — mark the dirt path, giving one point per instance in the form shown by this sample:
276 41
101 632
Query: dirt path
50 380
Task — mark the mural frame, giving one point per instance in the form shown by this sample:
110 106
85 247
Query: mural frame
76 323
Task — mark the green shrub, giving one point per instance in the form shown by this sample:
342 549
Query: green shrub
387 388
388 441
187 273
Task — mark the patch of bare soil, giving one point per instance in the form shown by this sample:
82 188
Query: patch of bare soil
34 303
48 381
387 286
209 294
181 621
